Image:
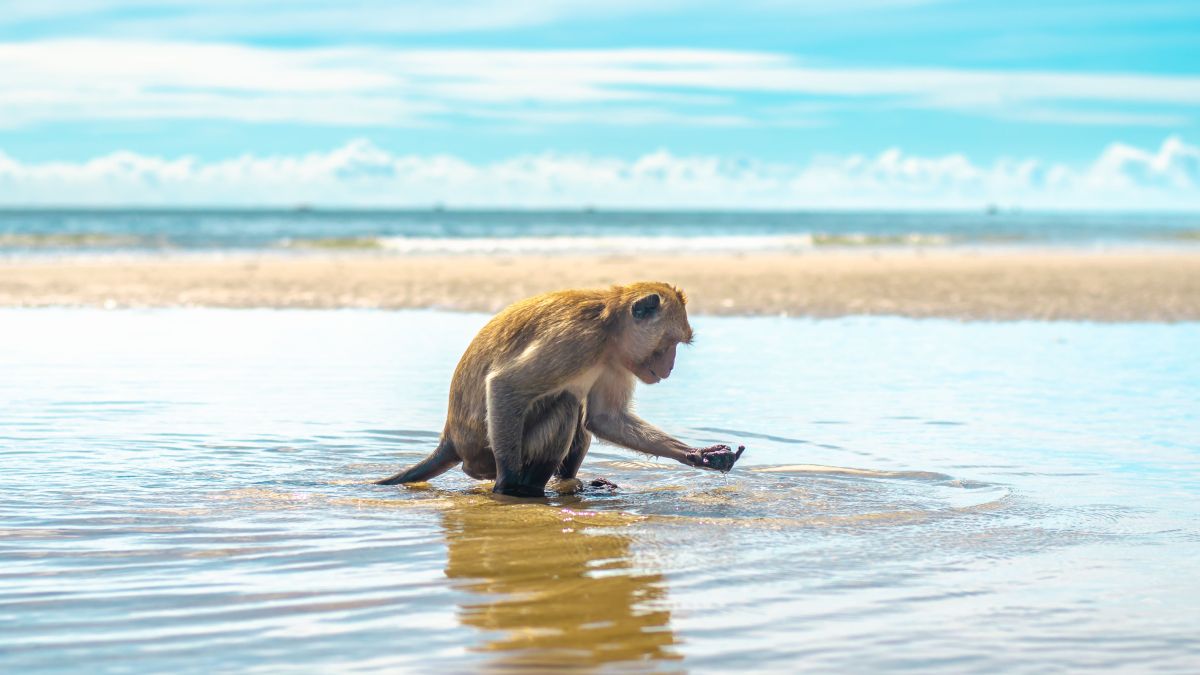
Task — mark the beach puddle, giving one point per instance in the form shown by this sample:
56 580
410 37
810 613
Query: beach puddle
584 580
191 490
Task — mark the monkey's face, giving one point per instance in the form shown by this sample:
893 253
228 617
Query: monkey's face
658 326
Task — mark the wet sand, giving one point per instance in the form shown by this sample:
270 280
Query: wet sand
1000 284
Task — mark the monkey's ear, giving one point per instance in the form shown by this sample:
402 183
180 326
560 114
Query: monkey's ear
646 307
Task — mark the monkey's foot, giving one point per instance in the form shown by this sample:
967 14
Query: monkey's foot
718 457
567 486
518 490
570 486
603 484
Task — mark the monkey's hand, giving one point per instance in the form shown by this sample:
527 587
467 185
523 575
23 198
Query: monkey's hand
718 457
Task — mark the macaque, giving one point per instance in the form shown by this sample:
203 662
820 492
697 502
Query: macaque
547 373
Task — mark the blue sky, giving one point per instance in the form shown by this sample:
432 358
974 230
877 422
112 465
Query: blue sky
488 81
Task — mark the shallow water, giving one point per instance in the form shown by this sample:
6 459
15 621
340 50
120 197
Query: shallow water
188 491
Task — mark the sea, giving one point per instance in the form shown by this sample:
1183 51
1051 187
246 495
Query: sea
440 231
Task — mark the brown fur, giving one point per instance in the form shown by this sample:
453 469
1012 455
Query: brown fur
546 373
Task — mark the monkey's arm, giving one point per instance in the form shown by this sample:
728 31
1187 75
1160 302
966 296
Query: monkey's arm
610 418
628 430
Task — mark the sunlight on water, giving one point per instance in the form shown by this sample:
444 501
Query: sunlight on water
189 490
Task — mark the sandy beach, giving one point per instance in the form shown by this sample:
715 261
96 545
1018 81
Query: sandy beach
986 285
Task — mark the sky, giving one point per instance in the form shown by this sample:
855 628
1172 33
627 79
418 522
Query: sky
756 104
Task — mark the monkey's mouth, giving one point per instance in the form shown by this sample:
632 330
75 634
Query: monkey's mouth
646 373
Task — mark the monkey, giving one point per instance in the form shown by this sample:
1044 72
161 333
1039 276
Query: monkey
549 372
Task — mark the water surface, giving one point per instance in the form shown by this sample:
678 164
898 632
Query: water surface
414 232
188 491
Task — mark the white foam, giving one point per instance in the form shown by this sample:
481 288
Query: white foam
594 245
645 244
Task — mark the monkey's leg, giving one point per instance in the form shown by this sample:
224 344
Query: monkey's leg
579 448
471 443
549 426
442 460
481 466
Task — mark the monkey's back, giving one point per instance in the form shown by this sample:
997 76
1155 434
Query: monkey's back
565 331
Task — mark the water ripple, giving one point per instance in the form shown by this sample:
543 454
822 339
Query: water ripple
162 519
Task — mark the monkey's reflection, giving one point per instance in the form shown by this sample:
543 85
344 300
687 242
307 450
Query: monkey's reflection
560 590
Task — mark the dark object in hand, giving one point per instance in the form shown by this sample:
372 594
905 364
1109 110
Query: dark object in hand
603 483
719 457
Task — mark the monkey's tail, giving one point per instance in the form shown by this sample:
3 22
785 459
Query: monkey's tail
443 459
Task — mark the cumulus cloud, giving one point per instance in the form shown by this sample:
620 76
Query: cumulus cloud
362 174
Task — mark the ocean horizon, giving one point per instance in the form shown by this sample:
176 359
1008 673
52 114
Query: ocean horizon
585 230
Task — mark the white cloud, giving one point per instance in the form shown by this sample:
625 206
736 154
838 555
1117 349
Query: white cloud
233 18
223 19
87 80
362 174
1099 117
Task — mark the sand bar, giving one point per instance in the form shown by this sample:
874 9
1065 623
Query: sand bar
1003 285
